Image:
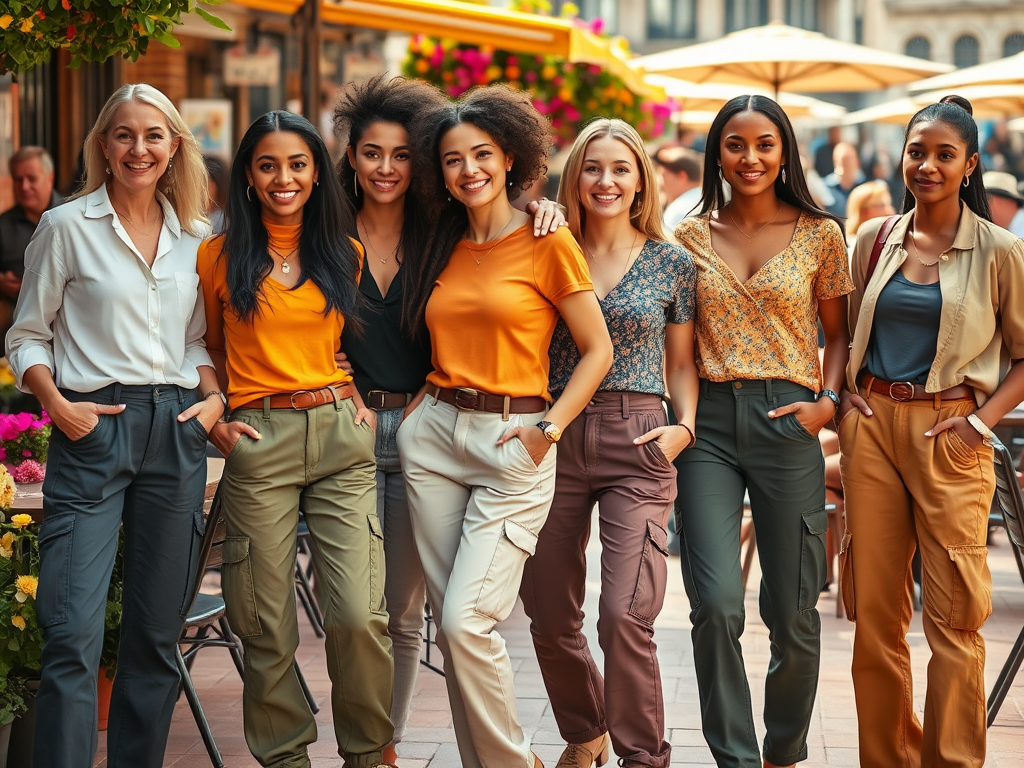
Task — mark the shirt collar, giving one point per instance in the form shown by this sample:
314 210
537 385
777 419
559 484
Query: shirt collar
966 231
98 205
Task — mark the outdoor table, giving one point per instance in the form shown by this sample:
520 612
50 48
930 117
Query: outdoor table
29 498
1014 418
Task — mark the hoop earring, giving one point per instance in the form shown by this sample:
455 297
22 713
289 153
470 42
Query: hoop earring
247 197
355 185
783 174
967 181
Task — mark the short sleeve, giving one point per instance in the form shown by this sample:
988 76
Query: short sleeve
1011 300
833 276
681 309
559 267
211 278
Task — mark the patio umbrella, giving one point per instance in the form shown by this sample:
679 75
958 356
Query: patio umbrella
710 97
1016 125
778 57
1001 71
987 101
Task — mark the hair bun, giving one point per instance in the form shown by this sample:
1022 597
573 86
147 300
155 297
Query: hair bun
960 101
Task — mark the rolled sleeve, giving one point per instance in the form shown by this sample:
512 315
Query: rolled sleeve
195 344
1011 301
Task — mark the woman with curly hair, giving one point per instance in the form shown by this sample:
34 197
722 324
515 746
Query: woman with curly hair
477 450
618 454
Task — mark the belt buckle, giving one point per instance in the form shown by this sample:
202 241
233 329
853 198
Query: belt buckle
466 392
372 395
908 385
293 395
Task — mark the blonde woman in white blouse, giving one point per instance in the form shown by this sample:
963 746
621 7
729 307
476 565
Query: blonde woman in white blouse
108 335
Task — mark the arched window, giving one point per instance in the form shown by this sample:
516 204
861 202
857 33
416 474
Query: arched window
1013 44
919 47
966 51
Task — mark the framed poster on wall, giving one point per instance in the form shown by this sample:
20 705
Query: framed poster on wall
210 121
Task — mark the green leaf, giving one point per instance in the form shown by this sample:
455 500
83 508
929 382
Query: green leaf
76 62
13 645
217 22
166 38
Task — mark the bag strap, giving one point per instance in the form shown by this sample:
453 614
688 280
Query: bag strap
876 250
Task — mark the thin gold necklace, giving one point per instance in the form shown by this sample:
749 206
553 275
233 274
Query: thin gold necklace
497 238
917 255
285 266
629 255
750 238
159 220
376 253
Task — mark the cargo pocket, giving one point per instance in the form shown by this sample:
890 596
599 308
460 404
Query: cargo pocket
971 589
652 576
846 576
505 573
812 558
196 547
376 565
56 537
239 595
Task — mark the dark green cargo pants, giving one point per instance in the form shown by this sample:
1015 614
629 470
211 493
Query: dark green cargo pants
780 465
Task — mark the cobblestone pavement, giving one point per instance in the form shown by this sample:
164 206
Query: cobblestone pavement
430 740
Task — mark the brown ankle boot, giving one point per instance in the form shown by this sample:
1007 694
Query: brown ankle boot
594 752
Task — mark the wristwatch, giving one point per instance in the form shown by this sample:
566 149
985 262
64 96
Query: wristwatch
830 395
221 395
551 432
988 437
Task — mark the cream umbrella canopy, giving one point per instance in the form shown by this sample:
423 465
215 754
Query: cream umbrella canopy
710 97
1008 71
778 57
986 101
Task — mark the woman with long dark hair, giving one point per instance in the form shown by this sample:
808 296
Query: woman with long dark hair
477 450
770 265
932 318
280 285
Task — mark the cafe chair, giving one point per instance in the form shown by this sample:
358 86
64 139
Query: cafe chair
1011 504
207 617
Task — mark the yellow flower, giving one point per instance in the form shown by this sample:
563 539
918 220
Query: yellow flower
21 521
18 621
7 545
7 491
26 25
27 585
5 21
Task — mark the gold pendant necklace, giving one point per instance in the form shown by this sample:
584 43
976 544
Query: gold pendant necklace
942 256
285 266
136 227
497 238
376 253
629 255
750 238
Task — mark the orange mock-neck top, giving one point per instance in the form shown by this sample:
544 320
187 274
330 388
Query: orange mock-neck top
288 346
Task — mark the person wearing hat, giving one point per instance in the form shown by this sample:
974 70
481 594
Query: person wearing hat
1005 201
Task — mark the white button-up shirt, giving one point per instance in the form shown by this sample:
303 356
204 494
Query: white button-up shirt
94 313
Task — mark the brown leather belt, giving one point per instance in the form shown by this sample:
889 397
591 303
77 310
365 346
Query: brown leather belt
379 400
901 391
467 399
304 399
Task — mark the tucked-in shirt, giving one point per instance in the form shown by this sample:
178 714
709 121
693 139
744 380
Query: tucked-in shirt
16 230
905 332
658 289
384 357
93 312
289 346
982 284
491 323
766 328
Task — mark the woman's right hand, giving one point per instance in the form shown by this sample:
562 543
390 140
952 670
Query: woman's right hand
76 420
226 434
341 360
847 402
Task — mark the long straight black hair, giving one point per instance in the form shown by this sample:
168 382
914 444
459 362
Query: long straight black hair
793 190
957 113
328 257
402 102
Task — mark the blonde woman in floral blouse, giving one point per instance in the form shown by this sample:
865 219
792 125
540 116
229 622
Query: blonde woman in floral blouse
770 264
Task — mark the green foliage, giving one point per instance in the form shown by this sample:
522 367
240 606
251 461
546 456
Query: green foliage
21 638
91 30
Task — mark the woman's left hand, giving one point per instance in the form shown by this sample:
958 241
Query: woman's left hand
672 440
533 438
369 416
547 216
812 416
962 427
209 412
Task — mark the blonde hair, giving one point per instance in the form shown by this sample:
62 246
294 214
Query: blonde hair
645 214
185 187
860 198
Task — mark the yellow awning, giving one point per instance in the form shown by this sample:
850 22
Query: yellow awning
484 25
287 7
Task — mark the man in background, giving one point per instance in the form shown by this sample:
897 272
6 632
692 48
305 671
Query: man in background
846 175
1004 201
679 170
32 177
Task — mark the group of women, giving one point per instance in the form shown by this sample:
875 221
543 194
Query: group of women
396 350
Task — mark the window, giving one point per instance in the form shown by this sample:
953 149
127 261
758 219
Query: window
608 10
741 14
1013 44
919 47
802 13
966 51
668 19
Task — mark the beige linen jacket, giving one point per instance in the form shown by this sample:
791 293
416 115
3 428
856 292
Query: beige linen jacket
981 327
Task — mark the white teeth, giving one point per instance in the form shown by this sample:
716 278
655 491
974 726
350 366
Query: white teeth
138 166
474 184
284 195
385 185
606 198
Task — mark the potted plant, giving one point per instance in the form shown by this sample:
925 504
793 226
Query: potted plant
24 445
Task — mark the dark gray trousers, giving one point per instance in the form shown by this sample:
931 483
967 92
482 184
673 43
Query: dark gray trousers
146 470
780 465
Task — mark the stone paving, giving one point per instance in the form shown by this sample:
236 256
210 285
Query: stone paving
430 740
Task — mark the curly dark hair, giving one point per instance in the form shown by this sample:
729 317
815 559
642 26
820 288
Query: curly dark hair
514 124
403 102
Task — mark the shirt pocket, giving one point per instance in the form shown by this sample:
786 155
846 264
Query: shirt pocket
186 286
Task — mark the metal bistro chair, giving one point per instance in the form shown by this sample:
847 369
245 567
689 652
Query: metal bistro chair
1011 503
207 615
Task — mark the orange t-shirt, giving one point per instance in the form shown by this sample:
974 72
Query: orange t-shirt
491 324
288 347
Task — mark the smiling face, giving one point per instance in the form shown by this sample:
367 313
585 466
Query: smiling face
282 174
382 162
473 165
935 161
138 146
751 153
609 178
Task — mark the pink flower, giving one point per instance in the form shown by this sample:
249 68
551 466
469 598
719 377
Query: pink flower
597 26
3 454
26 453
29 471
22 421
512 61
531 76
